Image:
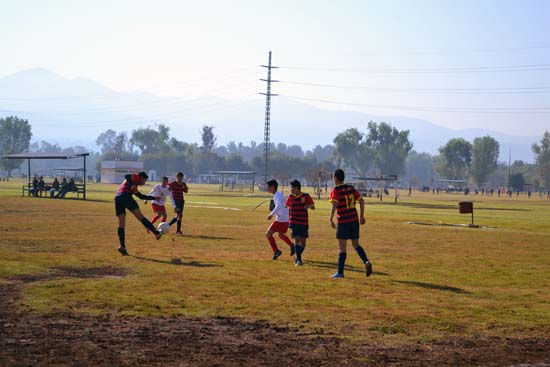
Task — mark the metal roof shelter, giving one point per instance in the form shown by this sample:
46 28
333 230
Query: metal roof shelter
236 180
31 156
388 178
63 171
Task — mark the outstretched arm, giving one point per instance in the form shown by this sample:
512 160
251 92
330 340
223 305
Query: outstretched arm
144 197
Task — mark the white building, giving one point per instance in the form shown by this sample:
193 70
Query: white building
114 171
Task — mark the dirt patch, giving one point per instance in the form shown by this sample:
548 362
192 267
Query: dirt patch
73 272
28 339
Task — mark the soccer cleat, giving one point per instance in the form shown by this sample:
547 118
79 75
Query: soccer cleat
159 235
179 233
298 263
292 250
336 276
123 251
368 268
276 254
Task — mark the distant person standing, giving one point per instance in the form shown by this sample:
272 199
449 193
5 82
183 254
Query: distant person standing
178 188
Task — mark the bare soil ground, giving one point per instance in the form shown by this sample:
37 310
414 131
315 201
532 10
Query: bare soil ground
29 339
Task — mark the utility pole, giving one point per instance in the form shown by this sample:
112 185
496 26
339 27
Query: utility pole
267 128
509 167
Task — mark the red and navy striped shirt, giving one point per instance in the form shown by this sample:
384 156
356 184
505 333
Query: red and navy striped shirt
345 196
177 190
126 186
297 210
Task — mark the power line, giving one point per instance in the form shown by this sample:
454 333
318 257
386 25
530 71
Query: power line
173 114
435 70
489 110
505 90
218 77
157 103
471 51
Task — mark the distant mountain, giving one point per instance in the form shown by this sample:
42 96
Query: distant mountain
75 111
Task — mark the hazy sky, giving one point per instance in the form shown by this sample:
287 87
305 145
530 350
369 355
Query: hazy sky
473 61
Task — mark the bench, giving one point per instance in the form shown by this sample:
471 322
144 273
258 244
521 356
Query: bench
28 188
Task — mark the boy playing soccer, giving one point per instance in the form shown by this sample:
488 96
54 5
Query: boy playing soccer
162 191
124 200
343 198
298 203
280 224
178 188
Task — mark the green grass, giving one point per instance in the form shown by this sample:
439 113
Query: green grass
429 282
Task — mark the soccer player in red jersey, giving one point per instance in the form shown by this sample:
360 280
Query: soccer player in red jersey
280 224
124 200
177 189
298 203
343 198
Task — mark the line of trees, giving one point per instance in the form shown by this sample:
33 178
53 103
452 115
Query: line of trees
380 150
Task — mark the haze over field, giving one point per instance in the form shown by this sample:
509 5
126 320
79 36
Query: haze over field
440 69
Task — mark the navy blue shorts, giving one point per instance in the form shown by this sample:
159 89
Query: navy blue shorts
123 202
180 205
299 230
347 231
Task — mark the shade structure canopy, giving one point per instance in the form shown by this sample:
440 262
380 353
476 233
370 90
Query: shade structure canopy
30 156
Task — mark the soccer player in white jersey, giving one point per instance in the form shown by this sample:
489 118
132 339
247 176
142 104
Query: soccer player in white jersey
280 224
161 192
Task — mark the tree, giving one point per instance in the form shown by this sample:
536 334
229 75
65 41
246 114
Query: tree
390 147
517 181
485 153
419 166
542 158
15 137
113 143
151 141
454 159
351 150
208 138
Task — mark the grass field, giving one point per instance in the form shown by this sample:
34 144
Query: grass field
429 283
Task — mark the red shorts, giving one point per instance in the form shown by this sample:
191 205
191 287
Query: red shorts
158 208
279 227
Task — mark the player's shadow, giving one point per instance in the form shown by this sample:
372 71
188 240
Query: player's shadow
205 237
334 266
191 263
438 287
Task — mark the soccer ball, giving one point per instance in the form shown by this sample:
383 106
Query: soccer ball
164 227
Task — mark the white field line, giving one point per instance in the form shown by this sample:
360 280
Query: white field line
212 207
203 202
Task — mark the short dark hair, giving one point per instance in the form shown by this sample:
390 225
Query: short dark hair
339 175
165 178
143 174
273 183
296 184
179 174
